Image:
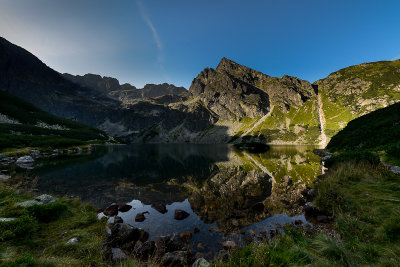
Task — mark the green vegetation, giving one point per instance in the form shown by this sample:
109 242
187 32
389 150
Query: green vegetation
29 126
298 124
366 232
378 131
39 234
382 76
337 115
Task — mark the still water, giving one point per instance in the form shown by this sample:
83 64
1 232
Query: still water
220 187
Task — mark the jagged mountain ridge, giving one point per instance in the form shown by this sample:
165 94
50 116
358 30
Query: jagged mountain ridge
272 107
25 76
226 104
126 93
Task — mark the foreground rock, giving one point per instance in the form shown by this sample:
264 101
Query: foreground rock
122 236
118 254
124 207
176 258
40 200
140 217
201 262
160 207
25 160
111 210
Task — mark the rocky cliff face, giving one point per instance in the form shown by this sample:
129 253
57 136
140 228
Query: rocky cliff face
126 93
282 110
227 104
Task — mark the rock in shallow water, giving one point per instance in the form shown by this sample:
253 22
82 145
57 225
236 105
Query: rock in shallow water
111 210
180 215
140 217
124 208
160 207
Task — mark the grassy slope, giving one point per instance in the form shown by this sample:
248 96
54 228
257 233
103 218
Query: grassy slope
373 81
36 238
30 135
376 131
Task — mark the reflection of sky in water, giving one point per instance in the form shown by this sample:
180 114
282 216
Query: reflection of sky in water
212 177
158 224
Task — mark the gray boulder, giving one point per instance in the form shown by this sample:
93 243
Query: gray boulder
35 153
201 262
118 254
25 160
42 199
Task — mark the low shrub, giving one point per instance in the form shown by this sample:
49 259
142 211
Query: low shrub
23 226
47 212
25 260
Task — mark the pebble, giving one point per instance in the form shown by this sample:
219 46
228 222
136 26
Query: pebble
73 240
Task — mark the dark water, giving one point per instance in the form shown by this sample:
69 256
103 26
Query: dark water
217 185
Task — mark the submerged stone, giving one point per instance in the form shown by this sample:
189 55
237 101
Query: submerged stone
180 214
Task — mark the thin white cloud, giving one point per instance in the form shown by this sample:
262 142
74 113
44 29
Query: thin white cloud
153 29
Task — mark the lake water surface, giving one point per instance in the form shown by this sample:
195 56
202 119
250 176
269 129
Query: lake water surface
220 187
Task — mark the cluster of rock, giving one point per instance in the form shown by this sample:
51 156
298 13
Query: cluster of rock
123 240
28 160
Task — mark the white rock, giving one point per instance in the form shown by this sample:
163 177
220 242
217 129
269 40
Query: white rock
45 199
4 177
42 199
6 219
201 262
395 169
73 240
25 160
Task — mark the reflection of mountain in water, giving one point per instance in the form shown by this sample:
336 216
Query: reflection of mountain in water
222 184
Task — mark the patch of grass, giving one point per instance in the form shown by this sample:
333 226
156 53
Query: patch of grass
356 156
378 129
42 232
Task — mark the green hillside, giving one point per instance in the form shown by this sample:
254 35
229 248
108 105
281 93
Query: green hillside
24 125
378 130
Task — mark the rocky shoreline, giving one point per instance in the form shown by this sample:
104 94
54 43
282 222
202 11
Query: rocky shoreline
26 161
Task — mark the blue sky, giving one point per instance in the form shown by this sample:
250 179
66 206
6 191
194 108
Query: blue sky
155 41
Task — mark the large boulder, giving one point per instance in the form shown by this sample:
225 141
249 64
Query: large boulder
111 210
122 233
25 160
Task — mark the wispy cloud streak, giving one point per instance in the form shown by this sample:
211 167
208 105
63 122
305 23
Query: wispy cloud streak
146 18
